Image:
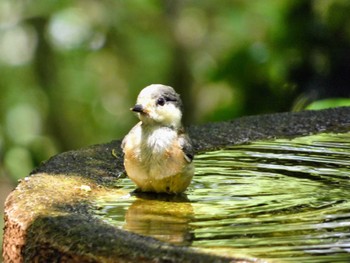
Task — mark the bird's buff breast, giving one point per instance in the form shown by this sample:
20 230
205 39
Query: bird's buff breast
156 162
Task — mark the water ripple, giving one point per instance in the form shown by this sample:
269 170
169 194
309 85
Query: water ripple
283 200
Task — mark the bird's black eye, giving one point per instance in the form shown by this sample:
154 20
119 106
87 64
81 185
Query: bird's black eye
161 101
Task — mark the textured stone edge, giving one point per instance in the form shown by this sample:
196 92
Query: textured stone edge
269 126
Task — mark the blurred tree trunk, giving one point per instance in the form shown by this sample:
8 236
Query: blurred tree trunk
46 68
180 75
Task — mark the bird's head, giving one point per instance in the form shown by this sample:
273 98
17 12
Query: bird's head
159 105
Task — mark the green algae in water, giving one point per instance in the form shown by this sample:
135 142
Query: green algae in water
286 200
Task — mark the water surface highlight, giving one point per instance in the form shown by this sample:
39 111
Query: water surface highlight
284 200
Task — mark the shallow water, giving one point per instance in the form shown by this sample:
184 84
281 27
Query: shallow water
284 200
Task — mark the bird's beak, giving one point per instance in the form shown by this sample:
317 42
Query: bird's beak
138 108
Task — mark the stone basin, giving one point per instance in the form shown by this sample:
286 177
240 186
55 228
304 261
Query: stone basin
48 217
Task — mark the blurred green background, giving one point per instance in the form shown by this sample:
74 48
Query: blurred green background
70 70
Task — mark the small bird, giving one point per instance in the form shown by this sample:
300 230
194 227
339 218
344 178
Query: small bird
158 153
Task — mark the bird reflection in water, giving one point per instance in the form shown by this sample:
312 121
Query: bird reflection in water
162 216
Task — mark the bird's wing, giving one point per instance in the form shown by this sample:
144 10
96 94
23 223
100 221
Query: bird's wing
186 145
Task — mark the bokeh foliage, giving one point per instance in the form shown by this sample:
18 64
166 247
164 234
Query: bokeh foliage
70 70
